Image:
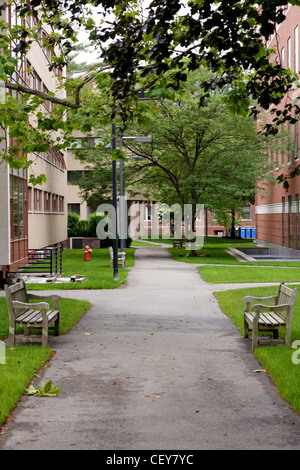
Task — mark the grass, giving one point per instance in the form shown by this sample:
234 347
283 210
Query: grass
98 272
23 362
233 270
216 251
277 360
142 243
232 274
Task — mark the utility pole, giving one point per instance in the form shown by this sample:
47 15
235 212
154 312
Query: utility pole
115 202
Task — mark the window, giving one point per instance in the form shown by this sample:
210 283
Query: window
283 141
283 220
297 140
246 212
74 208
147 209
296 50
36 82
297 222
29 195
54 203
289 53
18 193
61 204
74 176
28 74
48 104
282 56
37 200
47 201
18 215
289 143
290 221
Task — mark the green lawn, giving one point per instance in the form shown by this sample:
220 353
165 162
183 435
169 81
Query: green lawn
23 362
232 274
98 272
214 252
277 360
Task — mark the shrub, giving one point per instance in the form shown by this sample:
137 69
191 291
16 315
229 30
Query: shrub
87 228
73 220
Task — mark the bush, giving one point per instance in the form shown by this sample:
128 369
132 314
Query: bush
87 228
73 220
93 221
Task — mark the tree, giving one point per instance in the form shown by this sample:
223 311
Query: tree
199 155
138 47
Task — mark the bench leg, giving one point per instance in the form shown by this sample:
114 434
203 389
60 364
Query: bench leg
26 330
275 334
254 337
246 329
12 334
45 334
288 338
56 327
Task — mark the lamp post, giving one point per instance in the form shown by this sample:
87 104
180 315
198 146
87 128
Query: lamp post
115 203
123 234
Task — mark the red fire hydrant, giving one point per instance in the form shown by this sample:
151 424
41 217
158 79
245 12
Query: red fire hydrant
87 252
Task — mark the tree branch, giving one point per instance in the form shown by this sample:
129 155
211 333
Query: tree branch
41 94
54 99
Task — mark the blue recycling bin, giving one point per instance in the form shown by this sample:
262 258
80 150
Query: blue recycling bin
243 232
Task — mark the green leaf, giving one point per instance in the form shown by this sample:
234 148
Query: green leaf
118 154
47 390
32 390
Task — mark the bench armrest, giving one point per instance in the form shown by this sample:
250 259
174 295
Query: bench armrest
41 305
248 298
41 297
269 308
53 297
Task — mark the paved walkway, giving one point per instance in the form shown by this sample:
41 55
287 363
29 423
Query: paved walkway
152 366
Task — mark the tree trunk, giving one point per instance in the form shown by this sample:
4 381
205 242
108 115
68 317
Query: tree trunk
232 235
192 225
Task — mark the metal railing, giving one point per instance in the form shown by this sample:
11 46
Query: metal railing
46 260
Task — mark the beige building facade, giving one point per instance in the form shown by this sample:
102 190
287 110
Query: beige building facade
32 217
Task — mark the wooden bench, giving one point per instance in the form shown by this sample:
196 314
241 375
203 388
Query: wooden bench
30 315
177 243
270 318
121 257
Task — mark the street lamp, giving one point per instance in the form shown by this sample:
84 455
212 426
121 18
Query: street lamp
115 203
123 235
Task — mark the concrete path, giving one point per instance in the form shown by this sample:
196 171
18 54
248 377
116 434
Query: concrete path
152 366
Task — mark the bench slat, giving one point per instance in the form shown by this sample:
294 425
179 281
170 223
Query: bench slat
274 319
266 319
27 316
36 317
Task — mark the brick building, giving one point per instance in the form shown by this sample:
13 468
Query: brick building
277 212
